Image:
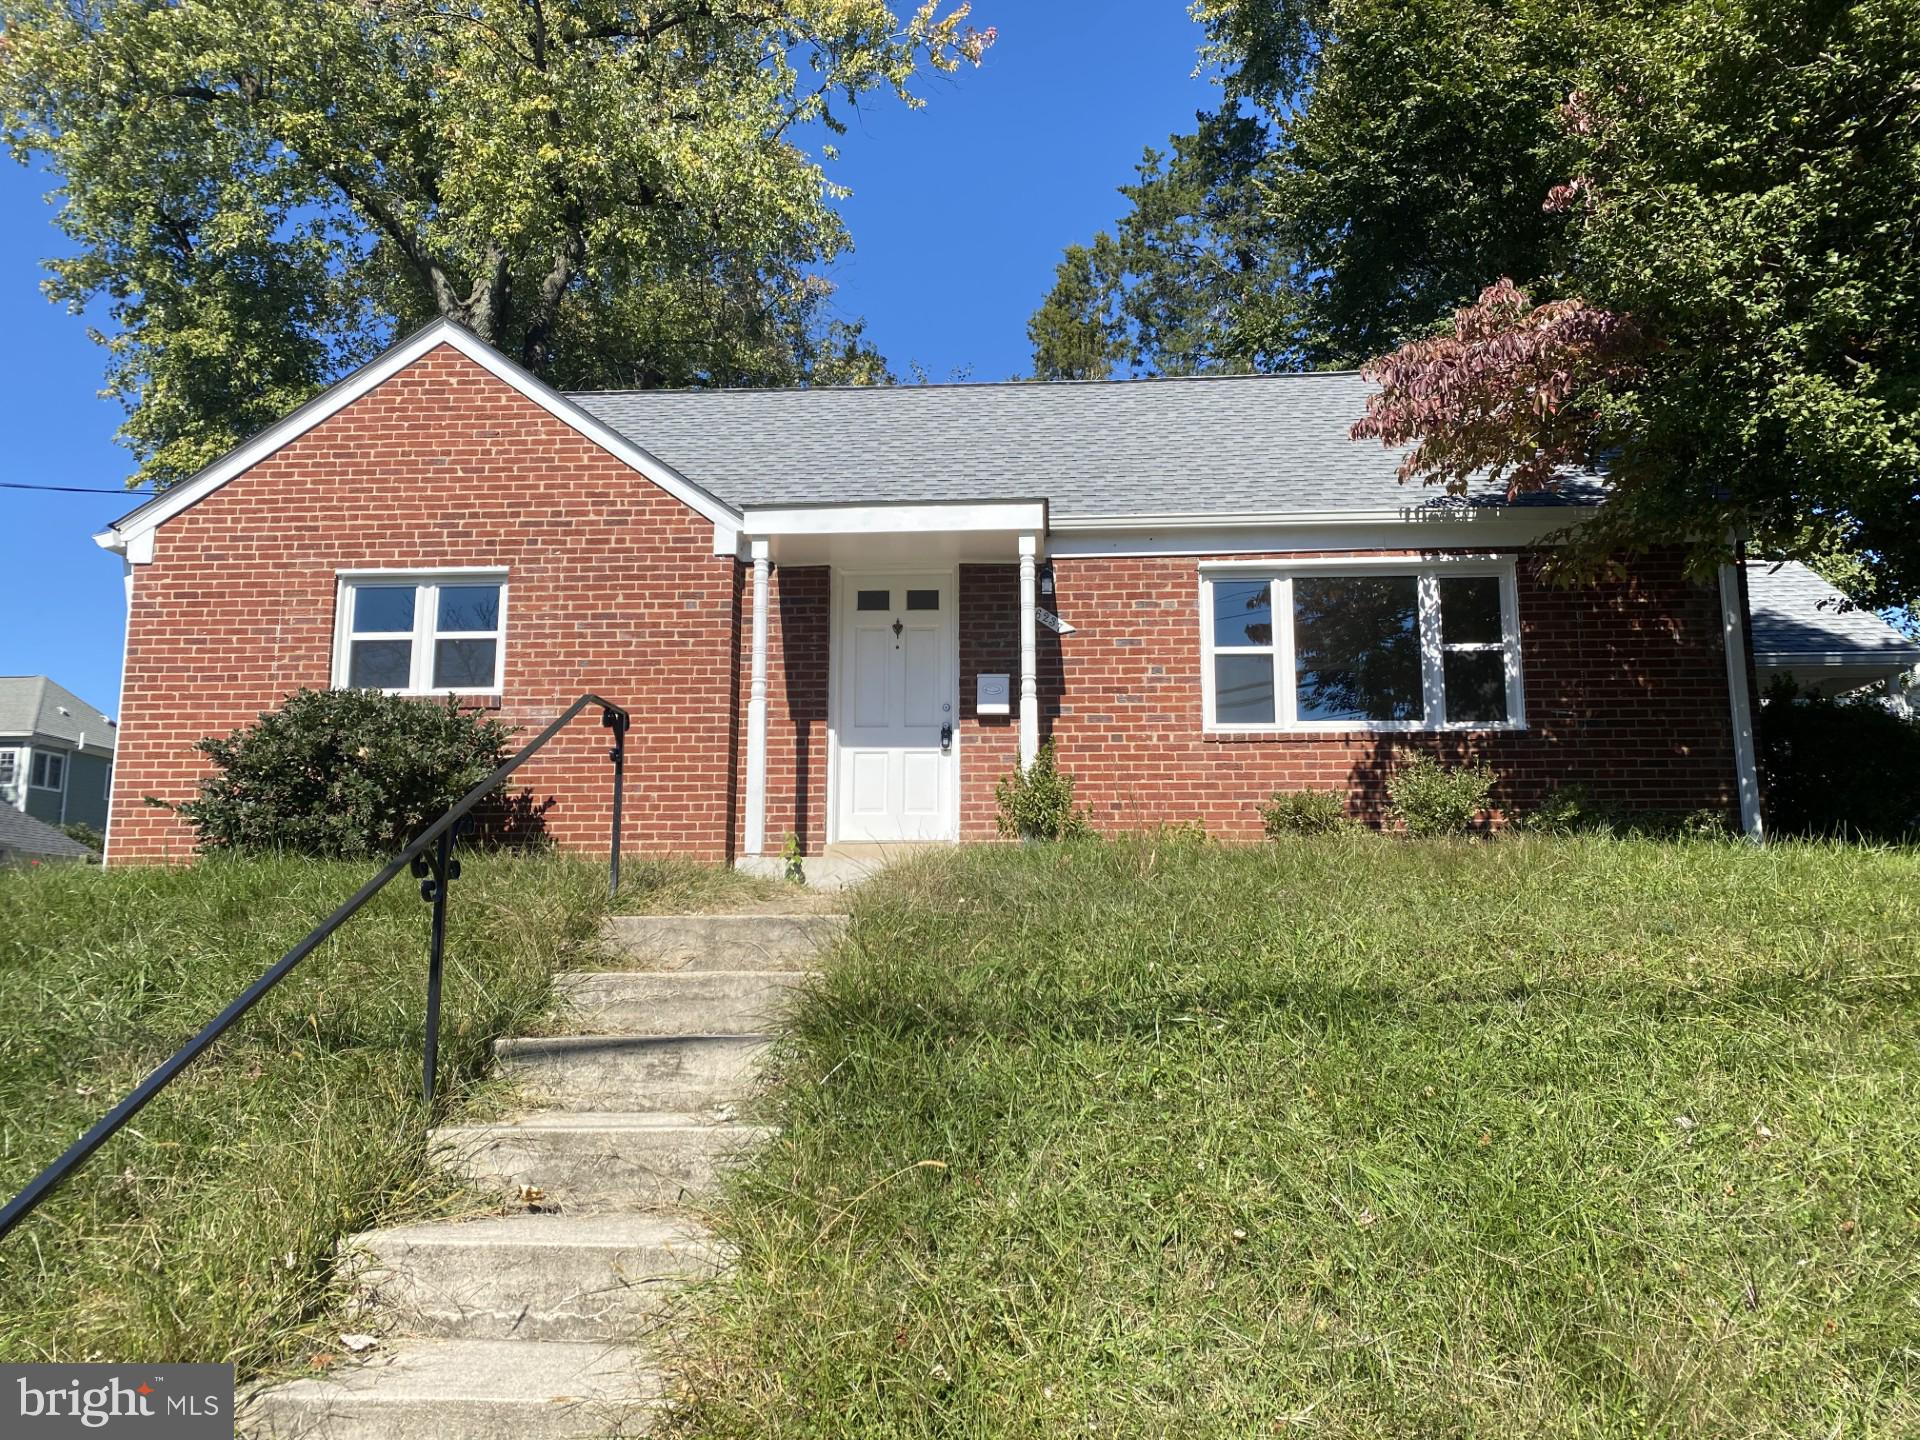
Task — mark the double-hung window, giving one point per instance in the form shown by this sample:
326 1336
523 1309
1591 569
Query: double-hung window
49 770
436 633
1360 645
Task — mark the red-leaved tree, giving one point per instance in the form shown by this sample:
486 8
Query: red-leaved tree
1509 396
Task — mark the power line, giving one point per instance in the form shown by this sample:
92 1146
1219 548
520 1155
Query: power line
73 489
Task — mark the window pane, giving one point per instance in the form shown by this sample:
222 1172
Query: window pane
1470 609
1242 612
1476 687
874 600
381 665
469 607
463 665
378 608
1357 647
923 599
1243 689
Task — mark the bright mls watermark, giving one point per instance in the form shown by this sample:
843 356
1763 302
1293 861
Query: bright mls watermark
155 1402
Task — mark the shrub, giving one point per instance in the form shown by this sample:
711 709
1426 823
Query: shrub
1572 810
86 835
1840 767
1304 812
1434 799
1036 802
342 773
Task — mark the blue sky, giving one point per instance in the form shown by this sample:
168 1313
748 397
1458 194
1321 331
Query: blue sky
959 214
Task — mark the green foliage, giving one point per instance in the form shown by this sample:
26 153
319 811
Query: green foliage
795 858
1036 801
208 1229
1492 1140
342 773
1304 812
1435 799
1839 767
1573 810
86 835
262 192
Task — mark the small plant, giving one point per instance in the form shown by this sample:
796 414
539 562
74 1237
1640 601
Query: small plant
1304 812
86 835
1036 802
341 773
1565 810
796 860
1434 799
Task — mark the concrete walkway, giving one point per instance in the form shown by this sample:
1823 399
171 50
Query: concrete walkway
532 1324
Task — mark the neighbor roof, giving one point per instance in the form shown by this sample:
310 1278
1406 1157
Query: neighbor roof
1096 449
21 834
34 705
1795 612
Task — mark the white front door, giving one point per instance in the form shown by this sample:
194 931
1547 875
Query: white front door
898 659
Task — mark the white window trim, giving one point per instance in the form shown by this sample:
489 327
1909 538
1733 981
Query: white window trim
1427 570
426 615
33 767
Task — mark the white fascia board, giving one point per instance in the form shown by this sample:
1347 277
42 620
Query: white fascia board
1894 660
1413 530
907 518
123 535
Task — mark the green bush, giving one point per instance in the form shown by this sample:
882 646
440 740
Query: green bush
1036 803
1839 767
85 835
1573 810
1304 812
1435 799
342 773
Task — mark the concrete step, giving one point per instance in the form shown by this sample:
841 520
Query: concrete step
681 1002
724 942
465 1390
526 1277
586 1162
632 1072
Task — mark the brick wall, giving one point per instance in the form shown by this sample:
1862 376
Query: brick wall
613 588
1625 690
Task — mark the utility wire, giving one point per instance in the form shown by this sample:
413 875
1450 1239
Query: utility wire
73 489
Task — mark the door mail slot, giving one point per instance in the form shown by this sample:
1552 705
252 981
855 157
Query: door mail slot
993 695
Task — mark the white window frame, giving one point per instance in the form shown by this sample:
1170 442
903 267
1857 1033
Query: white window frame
426 618
1427 571
9 767
47 757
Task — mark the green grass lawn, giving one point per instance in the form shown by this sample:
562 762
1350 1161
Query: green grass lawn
1343 1138
206 1230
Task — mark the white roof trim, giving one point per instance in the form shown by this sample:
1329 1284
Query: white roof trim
904 518
1530 515
131 534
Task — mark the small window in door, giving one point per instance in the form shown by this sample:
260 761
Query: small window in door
923 599
874 600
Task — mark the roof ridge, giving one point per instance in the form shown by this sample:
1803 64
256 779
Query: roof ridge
1027 384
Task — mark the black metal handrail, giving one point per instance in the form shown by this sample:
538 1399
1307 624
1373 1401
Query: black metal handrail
430 857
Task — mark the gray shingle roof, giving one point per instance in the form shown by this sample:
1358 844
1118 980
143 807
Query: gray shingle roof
21 834
1795 612
34 705
1212 445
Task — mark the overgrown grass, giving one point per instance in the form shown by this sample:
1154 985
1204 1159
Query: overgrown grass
674 885
1345 1137
206 1230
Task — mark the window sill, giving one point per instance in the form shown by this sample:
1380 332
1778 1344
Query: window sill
1350 737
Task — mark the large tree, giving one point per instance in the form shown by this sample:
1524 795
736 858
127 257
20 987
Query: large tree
1705 214
262 192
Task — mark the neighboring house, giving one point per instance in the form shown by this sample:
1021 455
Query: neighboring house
56 753
1808 631
845 614
27 841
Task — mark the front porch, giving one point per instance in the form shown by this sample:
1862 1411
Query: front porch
890 673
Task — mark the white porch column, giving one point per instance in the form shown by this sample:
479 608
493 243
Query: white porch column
1029 648
757 709
1746 770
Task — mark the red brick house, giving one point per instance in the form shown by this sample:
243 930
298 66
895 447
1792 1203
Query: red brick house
844 614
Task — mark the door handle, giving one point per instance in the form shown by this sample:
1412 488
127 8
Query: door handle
946 739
